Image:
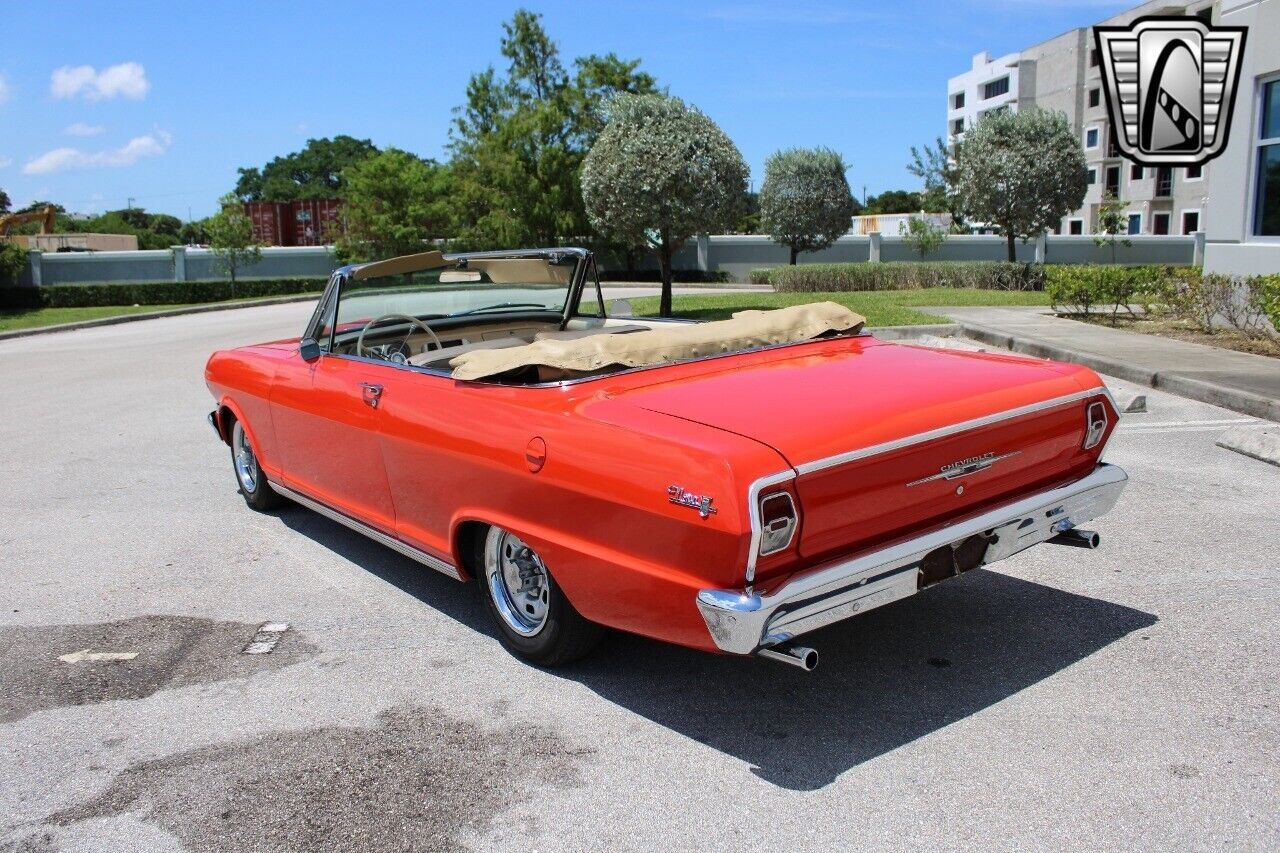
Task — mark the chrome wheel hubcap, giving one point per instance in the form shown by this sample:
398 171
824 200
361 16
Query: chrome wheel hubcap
518 582
246 462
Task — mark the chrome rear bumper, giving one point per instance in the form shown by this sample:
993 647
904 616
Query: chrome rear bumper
742 622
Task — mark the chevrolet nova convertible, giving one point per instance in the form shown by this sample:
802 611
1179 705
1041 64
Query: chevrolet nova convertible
729 486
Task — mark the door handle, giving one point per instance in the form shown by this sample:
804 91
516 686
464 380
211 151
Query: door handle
372 393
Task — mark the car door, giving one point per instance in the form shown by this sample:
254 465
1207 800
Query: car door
326 420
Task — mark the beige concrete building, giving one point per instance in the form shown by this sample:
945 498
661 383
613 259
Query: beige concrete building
1062 74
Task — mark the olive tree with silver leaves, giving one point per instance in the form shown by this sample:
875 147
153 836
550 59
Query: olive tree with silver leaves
660 173
1022 171
805 203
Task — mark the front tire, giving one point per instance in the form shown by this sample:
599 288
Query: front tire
535 620
253 485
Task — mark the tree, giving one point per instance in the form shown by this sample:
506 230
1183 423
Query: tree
5 203
313 172
518 143
894 201
1022 171
660 173
805 203
396 203
1112 222
922 234
231 237
939 168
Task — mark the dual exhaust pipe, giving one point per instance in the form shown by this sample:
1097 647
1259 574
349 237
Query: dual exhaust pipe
807 659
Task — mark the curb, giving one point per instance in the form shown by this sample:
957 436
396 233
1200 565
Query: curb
899 333
1263 445
1234 399
152 315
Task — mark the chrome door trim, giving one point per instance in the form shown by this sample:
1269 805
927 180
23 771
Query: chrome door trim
445 568
952 429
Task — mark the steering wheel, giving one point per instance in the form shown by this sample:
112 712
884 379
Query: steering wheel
360 350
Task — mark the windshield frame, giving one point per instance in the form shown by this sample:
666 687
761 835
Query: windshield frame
326 311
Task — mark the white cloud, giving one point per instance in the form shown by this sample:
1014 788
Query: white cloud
128 79
82 129
6 162
62 159
6 91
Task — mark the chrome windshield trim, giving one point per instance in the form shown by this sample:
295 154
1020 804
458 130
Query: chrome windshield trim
943 432
431 562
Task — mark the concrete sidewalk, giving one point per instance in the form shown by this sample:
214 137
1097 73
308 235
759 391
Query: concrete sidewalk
1235 380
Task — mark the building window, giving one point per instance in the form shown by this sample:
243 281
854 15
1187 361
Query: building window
1113 147
1113 181
1095 97
1164 181
1093 58
957 127
1266 211
1093 176
1090 137
994 89
1160 223
1194 173
1075 226
1135 173
957 101
1135 223
1190 221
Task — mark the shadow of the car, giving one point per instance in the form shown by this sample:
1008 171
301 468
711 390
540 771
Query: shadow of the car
887 677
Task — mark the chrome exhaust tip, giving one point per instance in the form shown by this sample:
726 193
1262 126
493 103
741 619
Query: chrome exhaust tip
801 656
1077 539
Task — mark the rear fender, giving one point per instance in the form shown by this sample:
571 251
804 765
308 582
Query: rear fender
605 585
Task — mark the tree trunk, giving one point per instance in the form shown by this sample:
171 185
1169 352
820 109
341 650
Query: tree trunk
664 265
793 255
1013 253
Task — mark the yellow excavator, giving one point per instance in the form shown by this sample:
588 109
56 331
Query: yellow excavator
47 216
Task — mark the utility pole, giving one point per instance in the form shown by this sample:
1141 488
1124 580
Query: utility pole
129 203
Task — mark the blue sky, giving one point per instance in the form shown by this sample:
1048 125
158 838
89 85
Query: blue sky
163 101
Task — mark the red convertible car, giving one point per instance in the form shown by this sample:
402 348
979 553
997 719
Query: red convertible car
728 486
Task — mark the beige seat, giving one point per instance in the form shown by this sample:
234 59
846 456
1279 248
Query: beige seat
575 334
432 356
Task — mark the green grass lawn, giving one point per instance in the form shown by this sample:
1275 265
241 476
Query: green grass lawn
12 319
880 307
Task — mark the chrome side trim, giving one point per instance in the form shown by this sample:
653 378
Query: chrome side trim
753 511
373 533
943 432
742 621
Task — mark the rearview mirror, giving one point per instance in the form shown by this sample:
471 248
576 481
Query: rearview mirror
310 350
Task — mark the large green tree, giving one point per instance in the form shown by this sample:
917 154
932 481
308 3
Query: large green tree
660 173
518 143
938 166
893 201
314 172
396 203
1022 171
805 203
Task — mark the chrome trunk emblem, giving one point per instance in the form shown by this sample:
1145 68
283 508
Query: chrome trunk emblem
702 503
964 467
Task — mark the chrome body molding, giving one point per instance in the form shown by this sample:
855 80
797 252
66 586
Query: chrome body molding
951 429
742 622
431 562
753 511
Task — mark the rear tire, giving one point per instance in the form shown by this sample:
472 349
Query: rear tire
253 485
535 620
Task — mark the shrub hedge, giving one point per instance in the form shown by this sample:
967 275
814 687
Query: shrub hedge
907 275
153 292
759 275
681 276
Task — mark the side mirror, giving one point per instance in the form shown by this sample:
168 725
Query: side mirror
310 350
620 308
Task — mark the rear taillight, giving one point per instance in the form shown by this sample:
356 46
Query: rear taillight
777 522
1095 424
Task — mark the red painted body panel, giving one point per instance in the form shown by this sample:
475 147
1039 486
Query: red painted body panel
437 453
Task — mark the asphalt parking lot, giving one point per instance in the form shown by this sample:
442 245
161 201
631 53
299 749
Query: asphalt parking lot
1121 698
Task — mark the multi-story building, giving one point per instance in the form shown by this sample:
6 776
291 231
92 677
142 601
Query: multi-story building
1063 74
